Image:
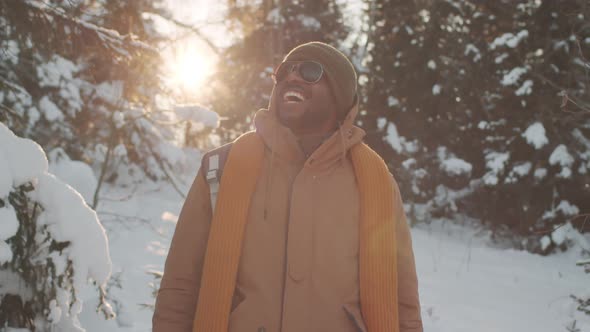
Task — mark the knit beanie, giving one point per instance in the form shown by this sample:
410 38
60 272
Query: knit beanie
338 69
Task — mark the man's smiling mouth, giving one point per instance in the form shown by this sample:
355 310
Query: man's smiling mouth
293 96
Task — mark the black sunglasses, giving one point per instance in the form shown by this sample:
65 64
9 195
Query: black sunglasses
310 71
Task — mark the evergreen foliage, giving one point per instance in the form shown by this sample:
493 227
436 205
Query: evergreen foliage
70 81
482 110
51 243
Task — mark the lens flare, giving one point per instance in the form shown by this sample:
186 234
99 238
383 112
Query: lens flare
190 68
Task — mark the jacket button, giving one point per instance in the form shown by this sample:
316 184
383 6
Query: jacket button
296 276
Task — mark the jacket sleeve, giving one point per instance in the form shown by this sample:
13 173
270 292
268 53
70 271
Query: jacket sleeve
408 298
179 290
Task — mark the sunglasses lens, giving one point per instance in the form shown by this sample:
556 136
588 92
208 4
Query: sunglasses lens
310 71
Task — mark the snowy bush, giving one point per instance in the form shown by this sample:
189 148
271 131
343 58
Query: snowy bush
51 242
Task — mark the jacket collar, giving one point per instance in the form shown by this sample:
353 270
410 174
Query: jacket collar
282 142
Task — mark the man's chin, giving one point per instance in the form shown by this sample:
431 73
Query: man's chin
288 120
290 114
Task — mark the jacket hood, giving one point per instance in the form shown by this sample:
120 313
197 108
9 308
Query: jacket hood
282 142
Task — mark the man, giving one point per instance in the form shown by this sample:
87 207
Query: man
309 232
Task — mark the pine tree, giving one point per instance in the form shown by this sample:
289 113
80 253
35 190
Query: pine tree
51 242
71 82
465 100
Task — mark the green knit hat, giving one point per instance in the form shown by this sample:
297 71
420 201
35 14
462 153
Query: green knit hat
338 69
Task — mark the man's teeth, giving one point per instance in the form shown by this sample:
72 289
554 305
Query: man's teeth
293 96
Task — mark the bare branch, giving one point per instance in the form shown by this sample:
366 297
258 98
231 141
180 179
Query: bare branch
194 29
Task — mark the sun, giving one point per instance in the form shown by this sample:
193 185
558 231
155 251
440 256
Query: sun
189 67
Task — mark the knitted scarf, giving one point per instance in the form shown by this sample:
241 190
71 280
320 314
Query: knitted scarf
377 237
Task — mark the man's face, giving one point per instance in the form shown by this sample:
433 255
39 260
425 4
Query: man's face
305 108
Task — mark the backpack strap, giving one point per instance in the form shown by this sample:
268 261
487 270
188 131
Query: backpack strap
212 165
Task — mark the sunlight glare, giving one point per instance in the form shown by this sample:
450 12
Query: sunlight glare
190 68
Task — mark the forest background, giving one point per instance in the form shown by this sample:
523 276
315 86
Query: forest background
481 110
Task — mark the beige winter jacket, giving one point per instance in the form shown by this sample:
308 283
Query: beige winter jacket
299 265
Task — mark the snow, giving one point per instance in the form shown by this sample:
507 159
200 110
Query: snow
409 163
54 311
393 138
567 208
525 89
561 44
545 242
9 51
392 101
463 284
560 156
119 119
25 158
436 89
470 48
197 114
309 22
50 110
540 173
535 135
519 171
139 233
431 64
567 232
5 176
69 219
5 253
509 39
397 142
522 169
500 58
564 208
8 223
75 173
495 161
513 76
51 73
274 16
34 115
456 166
14 329
110 91
381 123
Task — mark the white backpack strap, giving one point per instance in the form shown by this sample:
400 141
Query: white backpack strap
213 179
212 165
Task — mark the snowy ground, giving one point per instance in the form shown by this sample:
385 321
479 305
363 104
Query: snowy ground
465 284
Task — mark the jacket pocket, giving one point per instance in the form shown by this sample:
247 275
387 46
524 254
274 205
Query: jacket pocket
354 314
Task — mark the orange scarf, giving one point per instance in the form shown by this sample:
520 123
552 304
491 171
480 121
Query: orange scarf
377 238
